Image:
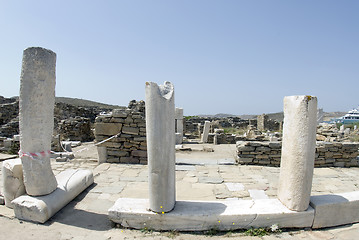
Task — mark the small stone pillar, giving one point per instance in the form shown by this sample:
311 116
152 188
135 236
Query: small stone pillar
342 128
13 180
206 127
179 125
102 154
262 122
160 133
298 152
37 100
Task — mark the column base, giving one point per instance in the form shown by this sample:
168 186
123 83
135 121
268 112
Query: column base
40 208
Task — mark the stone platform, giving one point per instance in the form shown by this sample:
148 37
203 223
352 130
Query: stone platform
206 215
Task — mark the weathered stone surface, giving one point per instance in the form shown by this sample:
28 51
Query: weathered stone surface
37 100
41 208
13 180
108 129
119 113
160 127
345 154
206 215
207 125
139 153
335 209
102 154
130 130
130 123
298 151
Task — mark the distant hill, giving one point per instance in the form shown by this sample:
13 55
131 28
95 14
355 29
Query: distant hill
247 116
218 115
83 103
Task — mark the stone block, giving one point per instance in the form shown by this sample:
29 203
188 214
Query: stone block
13 180
118 153
39 209
206 215
117 120
130 160
246 149
335 209
111 159
139 153
275 145
130 130
108 129
102 154
119 113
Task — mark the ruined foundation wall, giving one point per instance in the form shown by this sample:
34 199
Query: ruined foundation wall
130 145
339 154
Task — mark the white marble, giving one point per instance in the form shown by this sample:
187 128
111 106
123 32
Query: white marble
160 133
36 118
12 180
298 151
102 154
335 209
41 208
206 215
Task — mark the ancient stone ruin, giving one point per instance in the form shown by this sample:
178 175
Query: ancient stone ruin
139 135
293 208
32 173
129 128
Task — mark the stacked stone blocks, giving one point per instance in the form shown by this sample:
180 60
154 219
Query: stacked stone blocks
327 154
129 145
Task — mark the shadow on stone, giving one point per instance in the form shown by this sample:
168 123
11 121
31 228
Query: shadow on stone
69 215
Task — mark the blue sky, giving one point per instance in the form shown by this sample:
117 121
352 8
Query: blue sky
239 57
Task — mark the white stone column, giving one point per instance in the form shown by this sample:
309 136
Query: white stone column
160 133
206 127
37 99
298 152
179 124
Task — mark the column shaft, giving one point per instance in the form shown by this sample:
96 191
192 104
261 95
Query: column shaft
160 133
298 151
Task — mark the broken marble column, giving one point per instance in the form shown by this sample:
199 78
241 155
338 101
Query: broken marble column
179 125
41 208
160 133
37 99
298 152
13 180
206 127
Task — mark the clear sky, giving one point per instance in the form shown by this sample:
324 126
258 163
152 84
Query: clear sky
239 57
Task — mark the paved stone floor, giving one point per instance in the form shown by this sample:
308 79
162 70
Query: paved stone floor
200 176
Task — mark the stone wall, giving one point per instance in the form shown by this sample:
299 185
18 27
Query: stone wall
72 122
338 154
130 145
76 129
